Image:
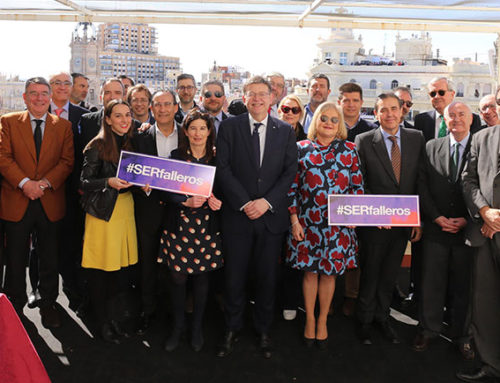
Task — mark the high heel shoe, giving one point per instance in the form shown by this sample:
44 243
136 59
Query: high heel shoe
322 343
173 340
309 342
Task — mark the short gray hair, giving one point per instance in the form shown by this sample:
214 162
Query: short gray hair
449 83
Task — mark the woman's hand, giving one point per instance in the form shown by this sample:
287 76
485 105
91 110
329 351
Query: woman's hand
118 184
195 201
297 231
214 203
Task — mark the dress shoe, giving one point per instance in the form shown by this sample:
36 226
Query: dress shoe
289 314
466 350
309 342
421 342
50 316
226 346
389 332
197 340
173 340
322 344
33 299
144 323
479 375
108 335
348 307
365 336
265 345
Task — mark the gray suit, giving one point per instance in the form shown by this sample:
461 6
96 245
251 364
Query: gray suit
383 249
481 183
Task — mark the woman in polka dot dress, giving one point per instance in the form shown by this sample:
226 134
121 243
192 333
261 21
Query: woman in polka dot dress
190 243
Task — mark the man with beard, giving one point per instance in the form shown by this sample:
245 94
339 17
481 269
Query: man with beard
186 90
80 90
318 90
212 101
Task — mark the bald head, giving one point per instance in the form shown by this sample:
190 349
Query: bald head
61 84
458 117
488 109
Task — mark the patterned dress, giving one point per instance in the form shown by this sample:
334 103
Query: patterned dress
323 170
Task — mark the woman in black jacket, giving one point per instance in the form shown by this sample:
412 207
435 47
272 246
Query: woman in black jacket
110 242
190 244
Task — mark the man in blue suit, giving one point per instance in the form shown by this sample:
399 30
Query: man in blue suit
256 164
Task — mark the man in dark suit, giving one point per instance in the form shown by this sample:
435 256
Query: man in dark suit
351 102
159 140
256 164
481 185
431 123
36 157
80 90
186 90
406 98
392 162
446 260
212 100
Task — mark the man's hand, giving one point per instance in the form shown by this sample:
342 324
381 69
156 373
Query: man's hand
491 217
256 208
416 234
34 189
144 126
487 231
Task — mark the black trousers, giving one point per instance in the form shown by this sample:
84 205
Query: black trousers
486 305
17 239
380 265
255 252
446 272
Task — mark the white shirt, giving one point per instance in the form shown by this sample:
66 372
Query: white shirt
461 148
164 144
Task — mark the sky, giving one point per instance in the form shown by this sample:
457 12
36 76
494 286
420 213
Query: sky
42 48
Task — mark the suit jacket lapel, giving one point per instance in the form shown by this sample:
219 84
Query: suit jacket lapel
247 137
444 154
27 133
271 131
381 152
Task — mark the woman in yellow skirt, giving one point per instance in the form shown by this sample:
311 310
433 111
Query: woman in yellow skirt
110 242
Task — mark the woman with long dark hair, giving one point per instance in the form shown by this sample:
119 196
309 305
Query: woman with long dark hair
190 245
110 242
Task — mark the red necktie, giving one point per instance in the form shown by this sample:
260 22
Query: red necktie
59 111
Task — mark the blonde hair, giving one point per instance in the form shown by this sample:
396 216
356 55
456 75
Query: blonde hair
328 105
293 98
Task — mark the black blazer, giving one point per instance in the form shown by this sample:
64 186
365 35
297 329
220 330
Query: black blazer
363 126
445 197
378 175
241 181
426 123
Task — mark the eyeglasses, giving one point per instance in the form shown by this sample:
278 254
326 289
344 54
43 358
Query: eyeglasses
259 94
140 101
59 83
286 109
409 104
209 94
441 92
324 119
166 104
183 88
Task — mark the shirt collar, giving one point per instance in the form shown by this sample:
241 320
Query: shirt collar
355 124
53 107
158 131
462 143
43 118
387 135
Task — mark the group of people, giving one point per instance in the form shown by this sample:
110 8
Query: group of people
276 164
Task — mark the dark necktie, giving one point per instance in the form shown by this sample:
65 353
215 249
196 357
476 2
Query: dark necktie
454 159
256 143
395 158
38 137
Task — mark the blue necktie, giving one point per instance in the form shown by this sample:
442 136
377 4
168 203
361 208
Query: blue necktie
256 143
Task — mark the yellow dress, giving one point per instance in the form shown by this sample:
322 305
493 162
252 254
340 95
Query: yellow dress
111 245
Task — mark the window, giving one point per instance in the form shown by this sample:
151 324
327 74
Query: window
460 89
394 84
373 84
343 58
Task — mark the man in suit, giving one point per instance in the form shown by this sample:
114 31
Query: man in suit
256 164
36 157
159 140
392 162
446 260
212 100
406 98
351 101
139 99
80 90
488 110
186 90
278 91
431 123
318 89
481 186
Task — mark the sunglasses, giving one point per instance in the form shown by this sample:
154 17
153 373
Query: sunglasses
287 109
409 104
209 94
334 120
441 92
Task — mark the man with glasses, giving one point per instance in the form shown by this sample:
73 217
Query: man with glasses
139 99
212 100
278 91
186 90
406 98
318 89
256 164
431 123
488 110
